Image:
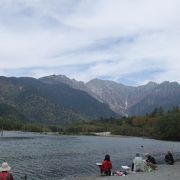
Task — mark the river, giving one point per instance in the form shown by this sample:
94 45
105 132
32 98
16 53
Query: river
56 157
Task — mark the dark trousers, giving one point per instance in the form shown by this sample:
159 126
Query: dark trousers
132 167
107 173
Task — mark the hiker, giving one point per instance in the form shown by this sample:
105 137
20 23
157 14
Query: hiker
138 164
169 158
4 172
106 166
150 161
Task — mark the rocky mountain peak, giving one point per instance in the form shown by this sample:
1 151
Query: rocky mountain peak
124 99
56 79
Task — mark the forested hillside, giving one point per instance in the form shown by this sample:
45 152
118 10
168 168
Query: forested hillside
50 103
158 124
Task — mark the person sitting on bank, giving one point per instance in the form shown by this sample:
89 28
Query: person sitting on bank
169 158
106 166
138 164
150 161
4 172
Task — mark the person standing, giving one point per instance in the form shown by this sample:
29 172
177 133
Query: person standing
4 172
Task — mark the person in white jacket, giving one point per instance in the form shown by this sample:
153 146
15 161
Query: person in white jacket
138 164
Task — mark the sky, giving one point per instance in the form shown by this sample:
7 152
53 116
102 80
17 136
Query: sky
127 41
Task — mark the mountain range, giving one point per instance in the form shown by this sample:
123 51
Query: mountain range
50 103
57 99
125 100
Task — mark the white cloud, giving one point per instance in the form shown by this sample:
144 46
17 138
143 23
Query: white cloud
115 39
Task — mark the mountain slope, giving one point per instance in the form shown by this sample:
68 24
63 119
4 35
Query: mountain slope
59 79
111 93
127 100
165 95
57 99
10 113
122 99
50 103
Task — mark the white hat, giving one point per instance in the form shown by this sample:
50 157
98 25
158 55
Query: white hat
5 167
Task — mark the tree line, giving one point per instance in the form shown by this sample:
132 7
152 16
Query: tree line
158 124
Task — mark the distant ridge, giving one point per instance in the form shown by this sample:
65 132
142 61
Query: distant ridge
57 99
126 100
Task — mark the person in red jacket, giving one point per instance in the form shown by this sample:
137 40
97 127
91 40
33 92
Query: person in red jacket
4 172
106 166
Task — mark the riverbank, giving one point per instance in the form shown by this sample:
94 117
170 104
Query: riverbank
163 172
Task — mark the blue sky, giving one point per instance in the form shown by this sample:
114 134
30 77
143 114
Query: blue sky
127 41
